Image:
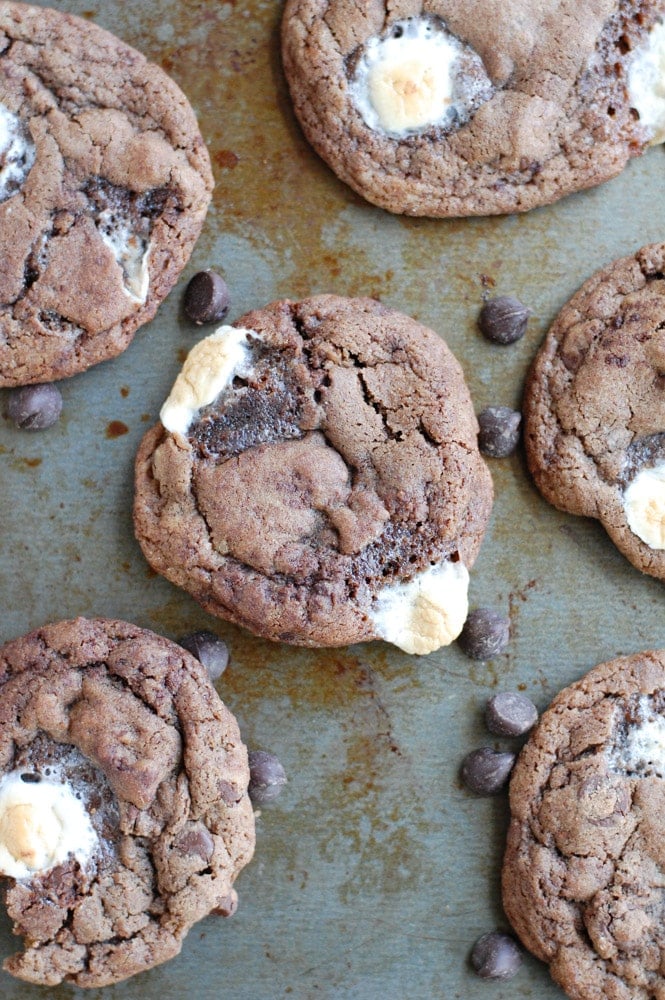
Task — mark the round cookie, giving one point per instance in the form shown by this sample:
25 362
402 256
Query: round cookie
124 814
448 108
104 185
582 875
316 477
594 408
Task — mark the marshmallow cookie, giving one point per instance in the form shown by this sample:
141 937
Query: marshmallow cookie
124 814
594 408
104 185
315 477
457 107
583 870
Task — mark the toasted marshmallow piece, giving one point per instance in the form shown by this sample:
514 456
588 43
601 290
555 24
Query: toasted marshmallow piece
409 81
646 83
644 504
211 366
425 613
42 823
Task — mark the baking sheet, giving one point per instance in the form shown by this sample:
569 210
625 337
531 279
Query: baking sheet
375 870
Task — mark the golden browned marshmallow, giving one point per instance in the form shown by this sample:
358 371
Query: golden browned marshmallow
427 612
644 503
41 823
210 366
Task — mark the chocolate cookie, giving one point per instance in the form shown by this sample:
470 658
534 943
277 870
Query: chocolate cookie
124 814
316 478
443 108
594 408
104 185
583 872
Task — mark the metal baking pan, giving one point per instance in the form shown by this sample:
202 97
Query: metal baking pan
375 870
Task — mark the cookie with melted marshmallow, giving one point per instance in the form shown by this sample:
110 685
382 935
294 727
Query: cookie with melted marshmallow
315 477
441 108
124 810
582 873
594 407
104 185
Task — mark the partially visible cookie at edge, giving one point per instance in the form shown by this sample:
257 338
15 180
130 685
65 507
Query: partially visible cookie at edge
105 181
582 875
594 407
443 108
315 477
124 813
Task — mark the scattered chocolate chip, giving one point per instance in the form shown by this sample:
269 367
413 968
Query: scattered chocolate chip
207 298
503 320
31 778
486 771
209 649
510 714
496 956
267 777
485 634
499 432
35 407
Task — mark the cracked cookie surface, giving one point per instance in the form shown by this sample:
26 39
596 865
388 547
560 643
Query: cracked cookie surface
320 483
104 185
582 875
126 727
448 108
594 408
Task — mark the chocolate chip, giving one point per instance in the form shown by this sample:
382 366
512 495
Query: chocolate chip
35 407
197 841
496 956
212 652
503 320
510 714
207 298
499 432
267 776
486 771
485 634
30 777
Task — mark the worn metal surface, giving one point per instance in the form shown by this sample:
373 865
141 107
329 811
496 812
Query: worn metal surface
374 871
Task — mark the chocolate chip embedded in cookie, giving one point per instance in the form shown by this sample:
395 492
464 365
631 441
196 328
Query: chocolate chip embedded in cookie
124 813
582 875
451 109
316 477
594 408
104 185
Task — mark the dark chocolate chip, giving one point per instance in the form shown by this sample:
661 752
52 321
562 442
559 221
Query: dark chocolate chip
30 777
267 776
499 432
196 841
503 320
35 407
209 649
510 714
207 298
485 634
486 771
496 956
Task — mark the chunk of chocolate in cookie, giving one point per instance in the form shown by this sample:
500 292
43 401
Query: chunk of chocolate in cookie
594 407
104 185
124 812
448 109
315 477
582 874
